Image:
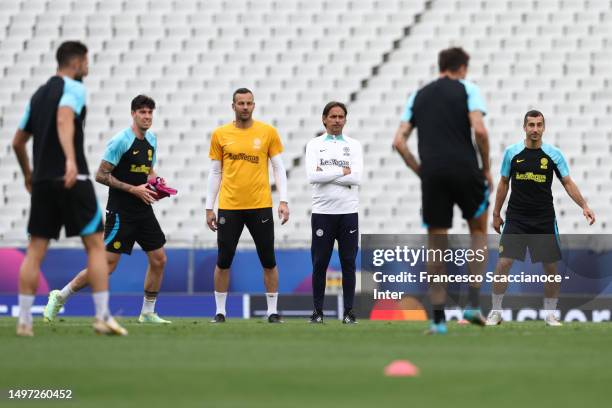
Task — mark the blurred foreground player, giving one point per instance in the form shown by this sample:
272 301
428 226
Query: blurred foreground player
445 111
61 192
530 217
127 166
239 153
334 165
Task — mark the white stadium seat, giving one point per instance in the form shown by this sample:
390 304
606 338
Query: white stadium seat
298 54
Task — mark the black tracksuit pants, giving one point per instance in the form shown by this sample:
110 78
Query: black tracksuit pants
326 229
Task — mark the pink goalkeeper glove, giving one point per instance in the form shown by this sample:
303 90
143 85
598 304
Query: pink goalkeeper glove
158 185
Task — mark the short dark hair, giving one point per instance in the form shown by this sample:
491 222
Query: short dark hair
241 91
69 50
334 104
533 114
451 59
142 101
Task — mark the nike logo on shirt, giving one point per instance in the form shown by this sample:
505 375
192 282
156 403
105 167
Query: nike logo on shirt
135 152
519 161
352 231
264 221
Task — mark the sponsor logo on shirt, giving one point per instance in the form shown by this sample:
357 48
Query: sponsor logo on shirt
140 169
243 156
538 178
333 162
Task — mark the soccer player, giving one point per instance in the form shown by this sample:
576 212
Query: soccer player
239 152
61 192
128 162
445 111
334 164
530 217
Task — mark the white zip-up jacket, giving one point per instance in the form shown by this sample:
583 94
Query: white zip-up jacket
333 192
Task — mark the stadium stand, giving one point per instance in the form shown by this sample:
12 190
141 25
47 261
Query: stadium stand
296 55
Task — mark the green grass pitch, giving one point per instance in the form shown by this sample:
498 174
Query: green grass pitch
248 363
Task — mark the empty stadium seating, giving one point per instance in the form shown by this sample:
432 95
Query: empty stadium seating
554 55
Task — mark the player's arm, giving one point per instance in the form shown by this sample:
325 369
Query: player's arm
317 174
65 131
500 197
280 178
104 176
356 170
212 189
19 146
482 141
400 144
573 191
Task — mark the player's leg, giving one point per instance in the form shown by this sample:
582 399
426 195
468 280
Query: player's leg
551 295
437 204
478 240
118 240
260 223
324 228
29 274
437 241
151 239
153 280
471 193
545 247
82 216
44 224
58 298
348 244
499 289
512 246
230 225
97 278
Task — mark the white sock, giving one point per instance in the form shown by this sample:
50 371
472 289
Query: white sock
550 304
148 305
272 300
66 292
220 298
101 303
497 301
25 309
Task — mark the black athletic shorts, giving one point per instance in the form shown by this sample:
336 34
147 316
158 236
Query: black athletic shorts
259 222
121 232
53 206
541 237
442 188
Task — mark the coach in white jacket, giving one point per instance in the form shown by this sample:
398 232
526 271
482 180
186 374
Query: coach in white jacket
334 165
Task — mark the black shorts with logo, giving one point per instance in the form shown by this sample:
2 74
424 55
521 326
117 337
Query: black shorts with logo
442 188
54 206
259 222
541 237
120 233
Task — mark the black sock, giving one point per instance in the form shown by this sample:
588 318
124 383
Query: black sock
438 313
151 295
474 297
